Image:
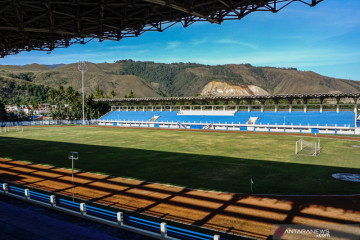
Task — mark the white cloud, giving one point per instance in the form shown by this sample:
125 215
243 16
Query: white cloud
172 45
236 42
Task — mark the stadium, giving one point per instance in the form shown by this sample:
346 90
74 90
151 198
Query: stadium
204 167
252 116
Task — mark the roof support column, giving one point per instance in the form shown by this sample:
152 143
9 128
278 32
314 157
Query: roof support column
321 104
262 101
249 105
276 101
337 104
305 100
356 111
355 105
236 101
291 100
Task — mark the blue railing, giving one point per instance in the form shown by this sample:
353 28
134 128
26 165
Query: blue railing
40 197
67 204
114 217
187 234
141 223
16 190
102 213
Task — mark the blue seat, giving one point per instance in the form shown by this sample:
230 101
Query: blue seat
329 118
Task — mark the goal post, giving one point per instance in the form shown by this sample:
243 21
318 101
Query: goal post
307 148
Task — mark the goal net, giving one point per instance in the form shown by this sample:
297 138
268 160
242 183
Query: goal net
303 147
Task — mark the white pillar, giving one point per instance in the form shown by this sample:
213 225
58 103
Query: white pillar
27 193
276 107
262 107
5 187
163 230
249 108
305 108
321 108
337 108
52 200
290 107
152 108
82 208
120 218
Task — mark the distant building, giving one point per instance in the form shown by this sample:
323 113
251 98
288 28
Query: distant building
44 108
11 108
30 110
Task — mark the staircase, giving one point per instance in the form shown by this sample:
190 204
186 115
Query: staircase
208 126
252 120
181 125
154 118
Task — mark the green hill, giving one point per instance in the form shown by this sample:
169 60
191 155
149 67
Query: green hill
21 92
149 79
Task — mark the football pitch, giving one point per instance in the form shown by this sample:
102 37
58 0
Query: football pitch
202 160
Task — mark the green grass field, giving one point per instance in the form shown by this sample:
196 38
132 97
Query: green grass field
204 160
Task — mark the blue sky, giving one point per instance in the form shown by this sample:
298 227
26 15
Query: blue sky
324 39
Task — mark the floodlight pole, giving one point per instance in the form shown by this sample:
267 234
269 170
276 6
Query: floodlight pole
72 156
83 68
72 167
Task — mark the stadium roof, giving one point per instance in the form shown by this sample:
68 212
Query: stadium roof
48 24
233 98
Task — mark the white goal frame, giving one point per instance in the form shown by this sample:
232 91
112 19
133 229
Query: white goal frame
306 148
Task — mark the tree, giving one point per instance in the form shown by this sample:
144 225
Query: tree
112 94
59 99
99 93
2 112
130 95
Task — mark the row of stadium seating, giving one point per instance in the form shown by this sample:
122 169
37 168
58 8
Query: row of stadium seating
313 118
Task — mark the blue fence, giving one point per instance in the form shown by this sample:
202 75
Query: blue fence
124 220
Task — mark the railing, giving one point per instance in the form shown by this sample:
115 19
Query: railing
47 122
118 219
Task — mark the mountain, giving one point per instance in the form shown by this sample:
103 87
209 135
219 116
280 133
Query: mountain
52 66
224 89
22 92
150 79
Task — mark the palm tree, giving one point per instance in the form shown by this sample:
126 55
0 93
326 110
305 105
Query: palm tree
59 98
52 94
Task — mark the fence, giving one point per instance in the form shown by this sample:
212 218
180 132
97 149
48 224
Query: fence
116 219
47 122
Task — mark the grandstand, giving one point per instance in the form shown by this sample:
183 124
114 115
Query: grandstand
336 118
